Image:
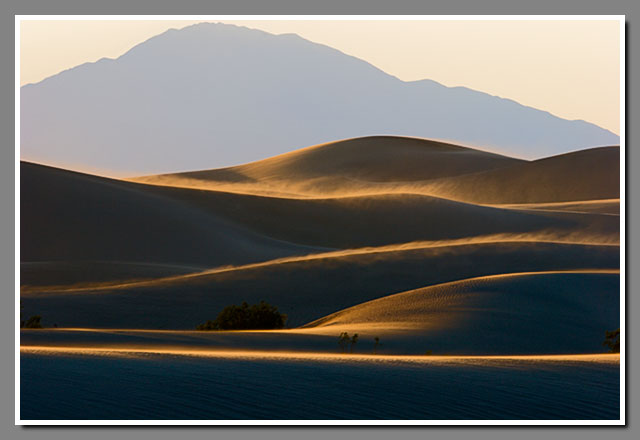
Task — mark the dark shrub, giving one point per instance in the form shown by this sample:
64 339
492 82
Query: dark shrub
33 322
376 344
354 340
343 340
612 340
260 316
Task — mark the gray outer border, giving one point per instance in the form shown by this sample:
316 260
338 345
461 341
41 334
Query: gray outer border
11 7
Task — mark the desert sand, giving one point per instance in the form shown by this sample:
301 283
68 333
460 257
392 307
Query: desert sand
435 249
391 164
145 385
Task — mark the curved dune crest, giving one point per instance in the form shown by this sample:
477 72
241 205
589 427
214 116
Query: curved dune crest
304 289
602 206
392 165
104 219
68 216
592 174
544 312
365 163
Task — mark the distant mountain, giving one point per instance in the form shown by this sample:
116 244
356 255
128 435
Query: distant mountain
214 95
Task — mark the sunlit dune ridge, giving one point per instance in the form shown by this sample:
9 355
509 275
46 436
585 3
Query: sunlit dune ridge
444 245
305 290
605 206
160 224
431 307
392 165
338 357
326 168
555 311
518 313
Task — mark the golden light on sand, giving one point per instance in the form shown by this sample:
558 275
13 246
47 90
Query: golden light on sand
311 356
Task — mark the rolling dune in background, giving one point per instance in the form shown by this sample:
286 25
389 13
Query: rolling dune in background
100 219
68 216
348 165
592 174
82 229
604 206
333 232
304 288
392 165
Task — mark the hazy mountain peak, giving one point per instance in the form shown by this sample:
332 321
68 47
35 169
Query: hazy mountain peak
213 95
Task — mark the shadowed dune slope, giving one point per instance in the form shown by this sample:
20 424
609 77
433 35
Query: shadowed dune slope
345 164
67 216
591 174
377 220
382 219
523 313
307 289
71 216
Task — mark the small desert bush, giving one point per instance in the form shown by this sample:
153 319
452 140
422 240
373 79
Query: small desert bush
376 344
33 322
344 340
612 340
262 316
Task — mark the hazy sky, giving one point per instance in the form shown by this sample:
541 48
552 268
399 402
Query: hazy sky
569 68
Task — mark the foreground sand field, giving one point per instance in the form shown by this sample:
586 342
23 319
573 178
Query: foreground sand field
174 386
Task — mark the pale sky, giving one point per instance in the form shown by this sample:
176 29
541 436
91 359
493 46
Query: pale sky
569 68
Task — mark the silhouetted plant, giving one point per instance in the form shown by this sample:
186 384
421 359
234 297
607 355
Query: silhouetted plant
376 344
612 340
33 322
354 340
428 353
343 341
260 316
209 325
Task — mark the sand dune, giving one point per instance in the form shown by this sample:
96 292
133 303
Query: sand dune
544 312
84 385
105 253
39 274
350 222
605 206
341 165
539 313
591 174
155 346
392 165
304 289
73 217
81 219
